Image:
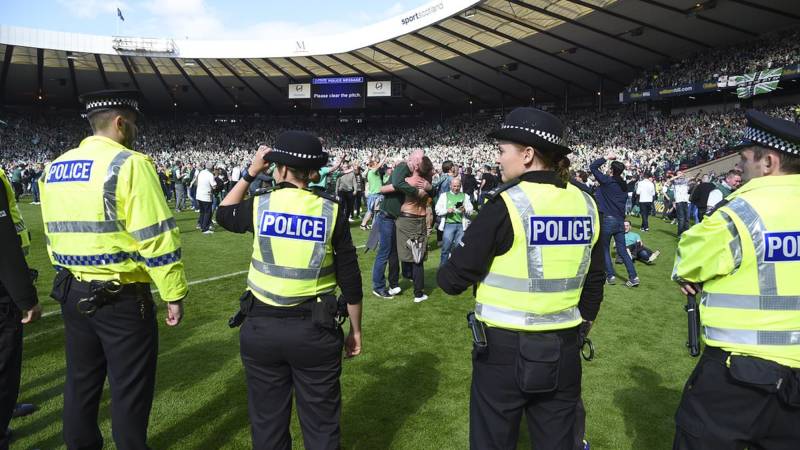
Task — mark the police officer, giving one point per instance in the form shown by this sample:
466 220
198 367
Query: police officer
745 259
19 303
110 234
290 340
543 279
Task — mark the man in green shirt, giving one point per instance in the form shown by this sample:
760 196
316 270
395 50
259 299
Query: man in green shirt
394 194
323 175
635 246
374 183
453 206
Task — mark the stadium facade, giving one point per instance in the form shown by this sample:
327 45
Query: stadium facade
447 54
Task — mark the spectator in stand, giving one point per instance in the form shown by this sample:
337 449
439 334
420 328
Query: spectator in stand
453 207
646 190
636 248
721 190
611 197
205 187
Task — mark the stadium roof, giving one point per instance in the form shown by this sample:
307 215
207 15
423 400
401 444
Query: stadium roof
451 53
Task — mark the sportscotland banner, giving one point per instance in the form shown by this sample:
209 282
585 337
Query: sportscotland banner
756 83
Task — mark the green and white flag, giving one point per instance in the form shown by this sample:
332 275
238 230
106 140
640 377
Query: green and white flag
756 83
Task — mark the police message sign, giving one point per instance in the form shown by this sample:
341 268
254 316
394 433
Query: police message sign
782 247
66 171
293 226
546 230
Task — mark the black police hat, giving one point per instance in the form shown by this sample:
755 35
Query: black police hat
770 132
298 149
534 127
112 98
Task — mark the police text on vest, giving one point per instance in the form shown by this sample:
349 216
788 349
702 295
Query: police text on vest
782 246
546 230
64 171
293 226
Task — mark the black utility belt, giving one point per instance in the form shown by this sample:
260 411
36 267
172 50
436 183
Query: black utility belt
765 375
501 334
325 310
261 309
112 287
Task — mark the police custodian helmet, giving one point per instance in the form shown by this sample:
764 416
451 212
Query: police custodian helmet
534 127
298 149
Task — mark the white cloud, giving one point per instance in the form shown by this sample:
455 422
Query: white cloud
90 9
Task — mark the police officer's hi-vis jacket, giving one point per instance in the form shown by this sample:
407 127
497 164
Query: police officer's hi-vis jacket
747 256
105 217
536 285
16 216
292 252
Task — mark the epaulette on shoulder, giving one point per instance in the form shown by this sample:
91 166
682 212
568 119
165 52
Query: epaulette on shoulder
324 194
266 190
494 193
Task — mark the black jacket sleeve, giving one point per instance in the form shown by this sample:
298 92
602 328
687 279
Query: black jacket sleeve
237 218
15 279
345 260
592 293
490 235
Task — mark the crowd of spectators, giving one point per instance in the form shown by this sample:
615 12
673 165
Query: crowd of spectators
773 50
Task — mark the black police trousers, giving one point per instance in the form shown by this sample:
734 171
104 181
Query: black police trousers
10 363
285 354
718 412
535 373
120 341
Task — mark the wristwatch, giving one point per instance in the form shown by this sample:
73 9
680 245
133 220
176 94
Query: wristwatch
247 177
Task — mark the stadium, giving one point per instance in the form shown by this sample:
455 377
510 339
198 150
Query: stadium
663 85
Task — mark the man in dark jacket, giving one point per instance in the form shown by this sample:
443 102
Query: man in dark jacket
611 196
18 305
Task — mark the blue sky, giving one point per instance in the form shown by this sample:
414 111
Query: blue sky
202 19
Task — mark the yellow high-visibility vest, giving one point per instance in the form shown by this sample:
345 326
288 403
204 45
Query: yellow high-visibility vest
292 257
16 216
105 217
536 285
747 256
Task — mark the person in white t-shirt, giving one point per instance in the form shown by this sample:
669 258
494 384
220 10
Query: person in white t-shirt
205 187
646 190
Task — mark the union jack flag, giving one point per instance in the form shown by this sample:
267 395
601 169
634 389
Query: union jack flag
756 83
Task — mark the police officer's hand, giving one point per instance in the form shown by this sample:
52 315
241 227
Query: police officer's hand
690 288
32 315
259 164
174 313
352 344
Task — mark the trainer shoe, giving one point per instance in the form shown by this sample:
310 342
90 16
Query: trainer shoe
634 282
420 299
208 232
395 290
653 257
586 445
23 409
383 293
611 280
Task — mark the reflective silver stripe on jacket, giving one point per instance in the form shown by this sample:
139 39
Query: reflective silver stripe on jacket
536 281
767 299
760 302
292 273
154 230
79 226
314 270
752 337
524 318
287 301
110 185
735 244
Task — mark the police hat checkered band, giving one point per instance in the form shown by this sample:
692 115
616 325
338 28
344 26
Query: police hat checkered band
112 102
770 140
298 155
549 137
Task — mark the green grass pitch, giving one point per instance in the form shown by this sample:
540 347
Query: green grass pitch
410 387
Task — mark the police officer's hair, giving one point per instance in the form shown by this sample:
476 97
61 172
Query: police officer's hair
305 175
560 164
789 163
100 119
